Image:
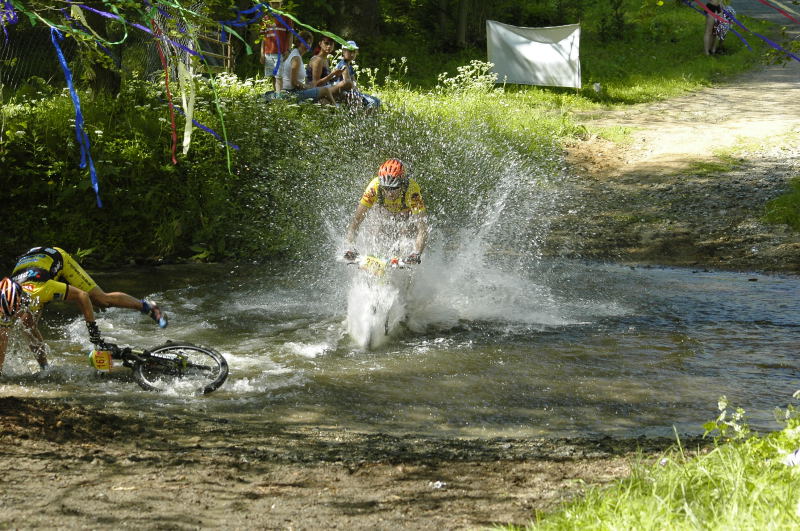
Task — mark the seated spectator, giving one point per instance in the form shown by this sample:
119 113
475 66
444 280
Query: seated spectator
318 72
348 87
294 72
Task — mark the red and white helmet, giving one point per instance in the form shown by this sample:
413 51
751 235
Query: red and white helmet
392 173
10 297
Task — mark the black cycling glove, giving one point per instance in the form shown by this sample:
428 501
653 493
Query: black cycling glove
94 332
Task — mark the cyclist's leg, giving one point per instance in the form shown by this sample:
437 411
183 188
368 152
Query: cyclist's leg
75 275
119 299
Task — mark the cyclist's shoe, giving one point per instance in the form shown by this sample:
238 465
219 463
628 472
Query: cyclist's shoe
351 255
152 309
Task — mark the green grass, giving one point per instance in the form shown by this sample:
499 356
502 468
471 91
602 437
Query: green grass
742 483
658 60
785 210
723 163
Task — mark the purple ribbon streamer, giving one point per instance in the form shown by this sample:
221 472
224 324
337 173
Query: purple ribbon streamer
208 130
159 9
769 42
8 16
259 9
143 28
765 39
747 44
80 131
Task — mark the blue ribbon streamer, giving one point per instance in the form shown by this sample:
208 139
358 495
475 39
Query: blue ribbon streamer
747 44
80 131
765 39
259 10
736 21
8 15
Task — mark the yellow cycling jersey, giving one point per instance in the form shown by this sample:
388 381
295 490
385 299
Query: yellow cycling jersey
410 202
46 273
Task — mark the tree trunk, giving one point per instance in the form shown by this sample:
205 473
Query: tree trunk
355 19
443 10
461 26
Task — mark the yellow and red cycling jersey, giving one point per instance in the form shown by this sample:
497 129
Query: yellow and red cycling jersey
46 273
410 202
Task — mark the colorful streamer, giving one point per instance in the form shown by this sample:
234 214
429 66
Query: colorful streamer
779 10
739 35
8 16
140 27
772 44
733 18
80 130
159 34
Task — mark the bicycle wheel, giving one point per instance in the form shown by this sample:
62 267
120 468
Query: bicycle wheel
181 366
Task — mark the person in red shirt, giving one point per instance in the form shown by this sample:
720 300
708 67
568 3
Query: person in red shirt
276 41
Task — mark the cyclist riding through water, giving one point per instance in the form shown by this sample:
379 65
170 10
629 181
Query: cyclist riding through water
45 274
399 198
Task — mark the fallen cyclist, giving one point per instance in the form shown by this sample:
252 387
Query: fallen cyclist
45 274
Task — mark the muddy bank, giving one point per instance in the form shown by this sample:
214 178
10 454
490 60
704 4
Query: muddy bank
68 466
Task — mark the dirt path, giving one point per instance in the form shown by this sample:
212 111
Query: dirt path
691 187
759 109
68 467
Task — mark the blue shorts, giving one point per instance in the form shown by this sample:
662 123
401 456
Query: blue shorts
305 94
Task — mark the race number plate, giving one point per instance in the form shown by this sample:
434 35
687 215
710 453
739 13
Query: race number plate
101 359
374 265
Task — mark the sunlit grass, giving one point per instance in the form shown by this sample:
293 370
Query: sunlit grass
741 483
722 163
652 63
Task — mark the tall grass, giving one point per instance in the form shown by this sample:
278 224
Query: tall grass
742 483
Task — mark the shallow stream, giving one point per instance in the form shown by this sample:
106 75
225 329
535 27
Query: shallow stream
563 348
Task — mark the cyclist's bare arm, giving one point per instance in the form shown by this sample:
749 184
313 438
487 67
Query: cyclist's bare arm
422 233
35 340
81 298
352 230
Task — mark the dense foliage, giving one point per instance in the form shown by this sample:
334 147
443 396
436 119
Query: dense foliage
267 201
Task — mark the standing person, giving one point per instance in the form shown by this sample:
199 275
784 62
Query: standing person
45 274
294 73
276 40
397 197
710 39
348 87
318 72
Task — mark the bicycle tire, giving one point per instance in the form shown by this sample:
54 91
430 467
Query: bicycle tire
173 365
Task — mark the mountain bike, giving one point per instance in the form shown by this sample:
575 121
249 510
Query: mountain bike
376 304
178 366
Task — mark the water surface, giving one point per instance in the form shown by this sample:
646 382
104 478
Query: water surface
558 349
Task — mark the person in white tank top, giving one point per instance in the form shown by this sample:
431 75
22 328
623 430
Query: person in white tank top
293 73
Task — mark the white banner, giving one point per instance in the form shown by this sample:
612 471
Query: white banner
535 56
